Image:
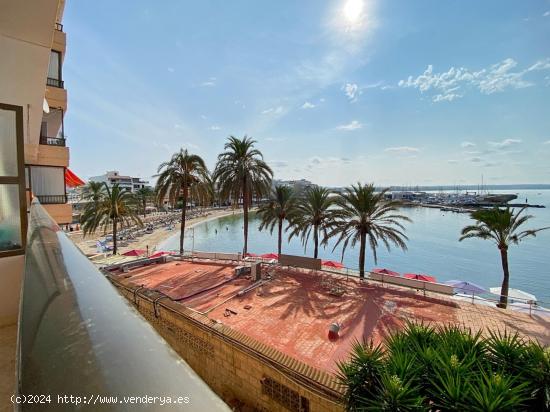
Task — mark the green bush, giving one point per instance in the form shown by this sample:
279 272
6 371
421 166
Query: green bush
422 368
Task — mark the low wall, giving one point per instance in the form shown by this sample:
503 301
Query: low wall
237 367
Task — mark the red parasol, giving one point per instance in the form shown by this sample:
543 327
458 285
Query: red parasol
418 276
332 264
386 272
134 252
270 256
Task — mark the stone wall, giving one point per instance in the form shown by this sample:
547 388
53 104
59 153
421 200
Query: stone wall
236 367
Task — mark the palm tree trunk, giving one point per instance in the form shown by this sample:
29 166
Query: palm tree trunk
183 213
506 279
362 247
280 239
114 236
144 206
316 241
245 215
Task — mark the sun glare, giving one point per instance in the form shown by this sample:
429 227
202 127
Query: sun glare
352 10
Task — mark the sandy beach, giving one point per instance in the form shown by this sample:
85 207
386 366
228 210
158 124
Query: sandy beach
149 241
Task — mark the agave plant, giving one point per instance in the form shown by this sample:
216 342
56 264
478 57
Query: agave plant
493 392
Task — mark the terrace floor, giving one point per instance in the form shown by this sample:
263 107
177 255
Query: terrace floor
292 312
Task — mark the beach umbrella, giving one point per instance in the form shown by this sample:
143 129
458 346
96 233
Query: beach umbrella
463 286
270 256
161 253
251 255
385 272
419 276
134 252
515 294
332 264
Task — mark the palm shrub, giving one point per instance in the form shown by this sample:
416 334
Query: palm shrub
446 368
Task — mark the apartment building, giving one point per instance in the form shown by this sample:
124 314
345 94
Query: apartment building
133 184
34 155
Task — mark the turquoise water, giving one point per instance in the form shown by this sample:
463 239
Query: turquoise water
433 247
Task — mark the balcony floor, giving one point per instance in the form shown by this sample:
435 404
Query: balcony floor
8 338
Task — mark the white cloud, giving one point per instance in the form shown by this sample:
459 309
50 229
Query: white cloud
505 143
308 105
467 144
214 127
351 90
402 149
452 161
475 159
546 14
211 82
171 69
452 84
203 117
547 142
353 125
274 110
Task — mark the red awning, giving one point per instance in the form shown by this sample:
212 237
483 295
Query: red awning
72 180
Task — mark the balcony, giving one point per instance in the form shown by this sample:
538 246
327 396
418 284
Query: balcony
52 199
78 336
52 141
58 26
55 83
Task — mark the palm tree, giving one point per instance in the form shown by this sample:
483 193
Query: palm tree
241 172
364 214
275 212
185 175
114 206
144 195
313 213
501 226
92 191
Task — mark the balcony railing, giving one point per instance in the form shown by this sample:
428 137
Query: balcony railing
59 26
54 82
52 199
52 141
79 338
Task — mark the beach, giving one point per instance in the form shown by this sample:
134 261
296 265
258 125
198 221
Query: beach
150 241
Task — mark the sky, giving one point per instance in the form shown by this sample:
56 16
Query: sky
392 92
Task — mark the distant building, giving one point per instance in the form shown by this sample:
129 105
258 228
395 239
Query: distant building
133 184
297 185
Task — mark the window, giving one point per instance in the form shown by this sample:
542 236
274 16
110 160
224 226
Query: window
47 183
12 181
54 71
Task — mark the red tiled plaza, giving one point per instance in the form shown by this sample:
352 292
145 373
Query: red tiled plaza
292 311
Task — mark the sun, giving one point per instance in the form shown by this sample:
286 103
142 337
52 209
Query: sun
353 9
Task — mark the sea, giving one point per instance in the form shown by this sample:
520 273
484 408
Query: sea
432 248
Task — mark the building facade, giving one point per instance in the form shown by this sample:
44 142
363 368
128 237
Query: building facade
33 150
133 184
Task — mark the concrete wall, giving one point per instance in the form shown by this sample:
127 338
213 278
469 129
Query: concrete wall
11 270
231 364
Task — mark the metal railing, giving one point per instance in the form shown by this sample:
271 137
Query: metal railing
52 141
52 199
58 26
79 338
55 82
